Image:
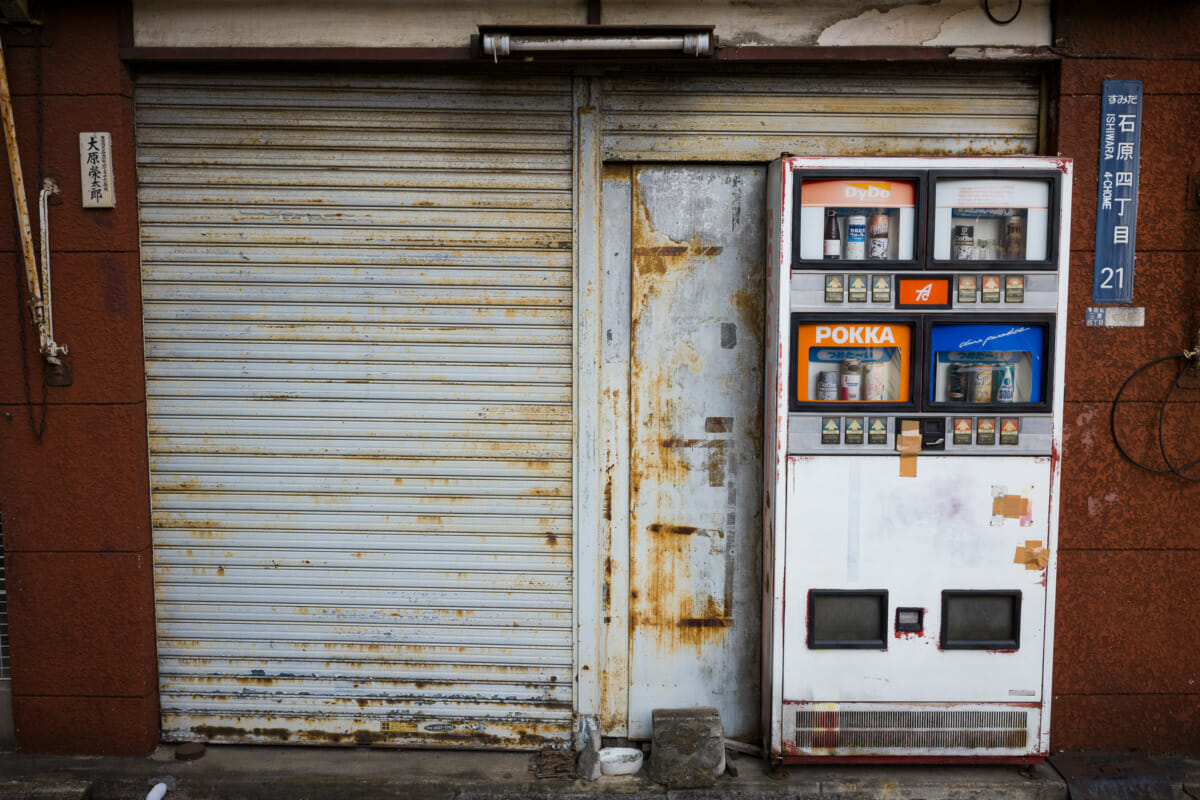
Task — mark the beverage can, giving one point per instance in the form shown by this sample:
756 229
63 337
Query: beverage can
877 234
850 387
827 385
956 385
856 237
981 384
1014 238
1006 384
964 243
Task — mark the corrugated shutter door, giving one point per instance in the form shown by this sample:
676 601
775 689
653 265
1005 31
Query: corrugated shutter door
829 110
357 299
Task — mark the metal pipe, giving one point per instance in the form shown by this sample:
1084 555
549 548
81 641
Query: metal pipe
50 349
37 308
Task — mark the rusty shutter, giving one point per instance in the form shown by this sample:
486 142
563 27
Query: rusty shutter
828 110
357 312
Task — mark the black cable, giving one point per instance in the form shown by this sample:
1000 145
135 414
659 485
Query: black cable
1112 420
1162 413
987 10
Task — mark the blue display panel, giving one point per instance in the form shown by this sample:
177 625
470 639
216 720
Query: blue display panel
995 363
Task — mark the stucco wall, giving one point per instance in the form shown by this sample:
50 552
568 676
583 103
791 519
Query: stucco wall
450 23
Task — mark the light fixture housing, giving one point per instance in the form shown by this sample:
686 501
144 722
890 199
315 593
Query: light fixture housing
573 42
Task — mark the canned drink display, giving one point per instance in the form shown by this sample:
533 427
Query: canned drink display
1014 238
963 248
956 385
856 237
850 387
827 385
874 382
981 384
1006 384
877 234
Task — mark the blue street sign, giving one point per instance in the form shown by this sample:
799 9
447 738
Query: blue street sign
1117 191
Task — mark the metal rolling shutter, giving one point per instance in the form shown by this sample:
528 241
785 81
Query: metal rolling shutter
828 110
357 299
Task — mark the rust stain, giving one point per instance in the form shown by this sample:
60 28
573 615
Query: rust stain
551 539
705 622
679 530
718 425
608 492
716 465
663 250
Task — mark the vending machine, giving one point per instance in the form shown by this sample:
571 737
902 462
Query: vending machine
915 348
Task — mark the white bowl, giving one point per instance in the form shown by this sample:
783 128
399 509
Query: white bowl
620 760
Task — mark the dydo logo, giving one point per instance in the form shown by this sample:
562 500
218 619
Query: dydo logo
855 334
868 191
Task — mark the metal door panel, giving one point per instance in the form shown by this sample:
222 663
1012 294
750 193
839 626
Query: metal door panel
696 411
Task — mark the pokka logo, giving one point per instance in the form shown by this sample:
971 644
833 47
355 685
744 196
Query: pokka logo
868 191
855 334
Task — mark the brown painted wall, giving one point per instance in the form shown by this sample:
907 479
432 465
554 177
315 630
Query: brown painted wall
1127 649
76 518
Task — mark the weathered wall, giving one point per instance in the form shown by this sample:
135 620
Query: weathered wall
76 504
450 23
1127 657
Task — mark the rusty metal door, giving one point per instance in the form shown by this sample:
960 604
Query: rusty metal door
358 333
695 442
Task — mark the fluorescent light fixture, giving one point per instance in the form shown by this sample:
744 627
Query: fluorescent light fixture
498 42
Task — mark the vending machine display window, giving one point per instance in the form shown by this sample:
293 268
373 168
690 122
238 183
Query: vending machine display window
995 220
847 620
981 620
876 218
994 364
853 360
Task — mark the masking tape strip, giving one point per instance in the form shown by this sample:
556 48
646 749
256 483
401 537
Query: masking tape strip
1032 555
909 445
1010 506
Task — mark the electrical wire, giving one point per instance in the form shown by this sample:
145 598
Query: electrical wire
987 10
1188 359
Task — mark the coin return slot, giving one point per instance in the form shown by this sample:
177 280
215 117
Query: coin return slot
910 620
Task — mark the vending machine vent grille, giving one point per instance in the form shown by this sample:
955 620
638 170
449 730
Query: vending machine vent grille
927 729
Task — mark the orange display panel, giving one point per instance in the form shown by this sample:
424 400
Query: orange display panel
922 292
853 362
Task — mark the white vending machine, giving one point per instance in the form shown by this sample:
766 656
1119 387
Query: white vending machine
914 373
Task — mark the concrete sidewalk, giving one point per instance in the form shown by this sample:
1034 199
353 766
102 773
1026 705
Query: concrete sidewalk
306 773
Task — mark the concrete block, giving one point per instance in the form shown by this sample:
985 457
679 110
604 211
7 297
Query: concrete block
687 747
587 766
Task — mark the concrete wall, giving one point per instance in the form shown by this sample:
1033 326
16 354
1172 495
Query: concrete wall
450 23
76 504
1127 651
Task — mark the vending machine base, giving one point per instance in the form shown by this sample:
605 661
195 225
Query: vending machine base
918 629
